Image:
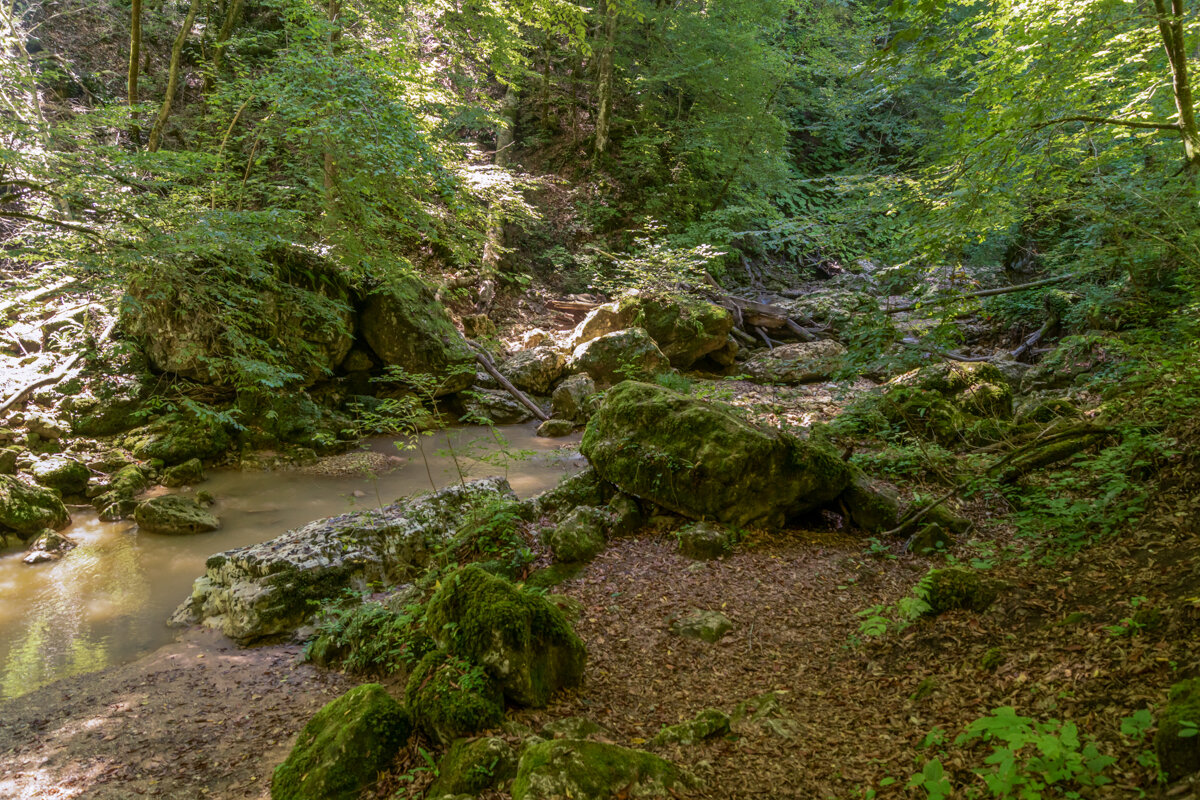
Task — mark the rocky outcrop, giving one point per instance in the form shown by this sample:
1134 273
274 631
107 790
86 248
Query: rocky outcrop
703 461
27 509
624 355
950 401
265 589
523 641
586 770
343 747
175 515
802 362
176 438
407 328
303 312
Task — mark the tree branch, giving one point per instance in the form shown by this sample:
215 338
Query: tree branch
1127 123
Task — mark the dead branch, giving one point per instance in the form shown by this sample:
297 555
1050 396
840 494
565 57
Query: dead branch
487 364
54 377
981 293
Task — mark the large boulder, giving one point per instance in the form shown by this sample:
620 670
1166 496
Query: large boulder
586 770
535 371
522 640
302 317
450 698
64 474
703 461
802 362
175 515
264 589
176 438
343 747
580 536
28 509
574 398
685 328
408 328
614 357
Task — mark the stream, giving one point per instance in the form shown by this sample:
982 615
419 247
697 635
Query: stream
107 601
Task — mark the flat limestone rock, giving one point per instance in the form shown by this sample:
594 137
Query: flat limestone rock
264 589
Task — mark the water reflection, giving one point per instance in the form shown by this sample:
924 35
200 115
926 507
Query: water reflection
107 600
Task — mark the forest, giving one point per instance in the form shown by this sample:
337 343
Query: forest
460 399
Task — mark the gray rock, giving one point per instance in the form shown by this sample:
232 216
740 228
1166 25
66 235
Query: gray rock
48 546
874 505
28 509
64 474
574 398
47 427
580 536
534 371
498 406
708 724
705 540
175 515
803 362
188 473
265 589
586 770
623 355
556 428
706 626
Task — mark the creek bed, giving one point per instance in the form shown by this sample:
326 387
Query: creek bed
107 601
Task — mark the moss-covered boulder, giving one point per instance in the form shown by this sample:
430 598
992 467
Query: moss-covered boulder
28 509
175 515
64 474
580 536
493 405
302 315
705 540
8 460
450 697
874 505
522 640
575 398
188 473
1176 742
585 770
978 388
802 362
708 724
343 747
407 328
176 438
618 356
472 766
956 589
534 371
685 328
118 499
704 461
584 488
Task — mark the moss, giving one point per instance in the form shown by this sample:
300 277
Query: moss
549 577
524 642
450 698
704 461
992 660
297 592
29 509
176 438
957 589
187 473
580 536
708 724
585 488
64 474
586 770
1176 743
343 747
472 766
704 540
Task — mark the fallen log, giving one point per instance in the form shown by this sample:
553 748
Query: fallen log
487 364
53 377
981 293
35 294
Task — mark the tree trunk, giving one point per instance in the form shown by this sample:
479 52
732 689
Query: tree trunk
1170 25
329 170
135 50
605 78
231 14
173 77
493 247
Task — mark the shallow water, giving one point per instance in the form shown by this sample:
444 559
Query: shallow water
107 601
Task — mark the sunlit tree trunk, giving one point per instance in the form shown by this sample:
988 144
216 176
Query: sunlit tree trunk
1170 25
329 171
135 61
173 76
605 77
18 87
231 14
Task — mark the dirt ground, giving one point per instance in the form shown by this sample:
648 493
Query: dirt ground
201 718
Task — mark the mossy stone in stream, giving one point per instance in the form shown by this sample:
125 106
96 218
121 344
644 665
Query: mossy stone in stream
586 770
555 428
450 698
185 474
471 766
28 509
957 589
343 747
523 641
117 501
1176 742
64 474
175 515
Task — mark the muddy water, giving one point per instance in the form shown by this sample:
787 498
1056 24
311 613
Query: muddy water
107 601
